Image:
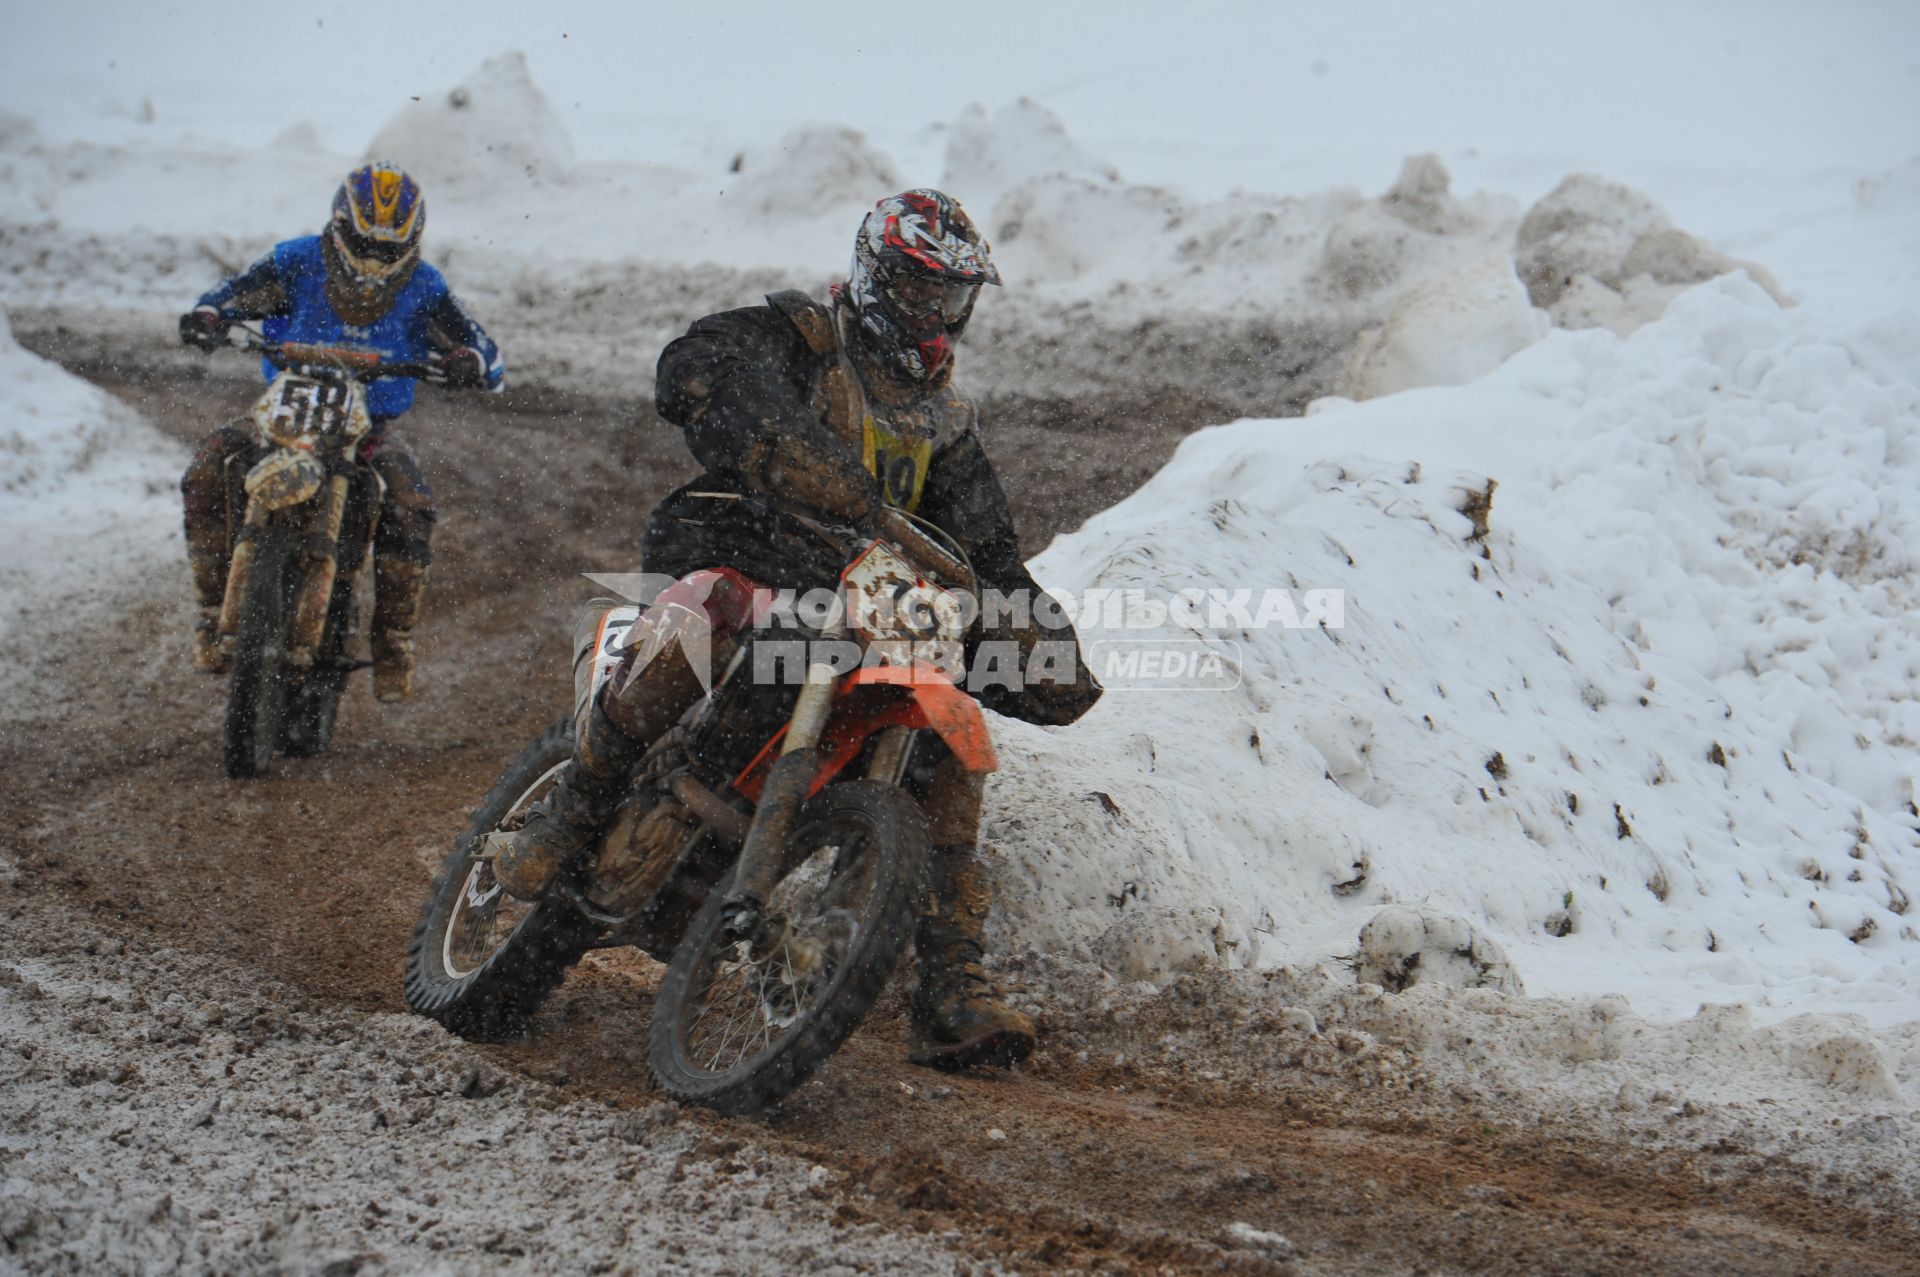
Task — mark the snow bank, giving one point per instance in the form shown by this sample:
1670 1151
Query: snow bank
1653 732
495 125
88 502
1271 291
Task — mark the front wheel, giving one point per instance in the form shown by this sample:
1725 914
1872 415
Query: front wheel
257 694
311 710
738 1026
482 961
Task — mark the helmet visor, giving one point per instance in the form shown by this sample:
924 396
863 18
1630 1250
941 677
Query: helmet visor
368 258
926 299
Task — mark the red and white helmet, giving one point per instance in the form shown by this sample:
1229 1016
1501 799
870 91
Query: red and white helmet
918 264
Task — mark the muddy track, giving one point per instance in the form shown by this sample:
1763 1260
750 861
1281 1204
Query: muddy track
312 877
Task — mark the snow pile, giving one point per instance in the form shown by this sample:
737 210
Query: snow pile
815 168
496 124
1446 331
87 496
1601 255
1338 255
1648 728
1254 299
990 153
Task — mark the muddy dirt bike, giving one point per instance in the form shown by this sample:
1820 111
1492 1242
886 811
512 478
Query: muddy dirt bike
311 510
769 848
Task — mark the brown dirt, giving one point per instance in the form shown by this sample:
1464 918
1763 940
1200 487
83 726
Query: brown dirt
313 876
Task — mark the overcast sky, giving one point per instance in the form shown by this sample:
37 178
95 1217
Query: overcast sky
1325 90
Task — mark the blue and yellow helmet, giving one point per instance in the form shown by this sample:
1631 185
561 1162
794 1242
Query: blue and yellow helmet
378 215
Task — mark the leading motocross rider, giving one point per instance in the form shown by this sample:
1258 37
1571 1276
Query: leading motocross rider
845 410
360 284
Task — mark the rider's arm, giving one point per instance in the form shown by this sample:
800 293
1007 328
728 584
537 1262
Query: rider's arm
450 328
735 384
963 496
257 292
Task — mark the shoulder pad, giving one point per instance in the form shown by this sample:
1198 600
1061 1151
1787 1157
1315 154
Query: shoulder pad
814 320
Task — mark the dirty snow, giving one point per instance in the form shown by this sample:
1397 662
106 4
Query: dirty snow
167 1112
1256 297
89 503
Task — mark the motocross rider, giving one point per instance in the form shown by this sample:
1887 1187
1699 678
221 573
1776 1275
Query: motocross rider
844 409
360 283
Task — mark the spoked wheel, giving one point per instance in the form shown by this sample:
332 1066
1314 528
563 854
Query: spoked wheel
482 960
736 1026
262 675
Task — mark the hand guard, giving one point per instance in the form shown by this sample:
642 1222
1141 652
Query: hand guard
203 328
465 369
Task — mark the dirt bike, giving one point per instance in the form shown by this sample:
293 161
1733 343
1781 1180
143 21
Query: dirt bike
311 510
769 849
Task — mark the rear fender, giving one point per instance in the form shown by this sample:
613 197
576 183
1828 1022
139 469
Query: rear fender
874 698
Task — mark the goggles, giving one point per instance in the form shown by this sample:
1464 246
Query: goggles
371 258
924 297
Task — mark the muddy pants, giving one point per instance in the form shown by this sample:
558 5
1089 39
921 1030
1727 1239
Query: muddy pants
215 504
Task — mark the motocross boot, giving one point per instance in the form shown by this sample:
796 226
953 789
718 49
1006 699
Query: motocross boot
208 658
398 585
209 588
612 732
958 1022
526 860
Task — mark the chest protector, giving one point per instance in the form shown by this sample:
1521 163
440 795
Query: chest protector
400 333
895 437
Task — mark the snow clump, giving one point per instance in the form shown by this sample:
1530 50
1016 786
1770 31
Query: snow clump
1597 254
496 124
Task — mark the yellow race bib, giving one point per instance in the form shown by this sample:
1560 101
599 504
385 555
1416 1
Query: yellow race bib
898 463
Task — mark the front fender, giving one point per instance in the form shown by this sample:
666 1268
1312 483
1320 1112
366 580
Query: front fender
870 700
937 704
284 477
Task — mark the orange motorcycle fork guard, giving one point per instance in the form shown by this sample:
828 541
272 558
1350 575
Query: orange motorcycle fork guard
870 700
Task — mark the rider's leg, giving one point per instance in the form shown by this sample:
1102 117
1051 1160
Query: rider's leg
958 1021
213 503
646 693
402 549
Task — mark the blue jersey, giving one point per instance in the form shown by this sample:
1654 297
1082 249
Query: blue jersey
425 318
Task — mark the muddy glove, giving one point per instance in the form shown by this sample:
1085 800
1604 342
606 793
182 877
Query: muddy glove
203 328
465 369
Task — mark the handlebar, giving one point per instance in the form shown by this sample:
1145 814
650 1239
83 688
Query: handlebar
336 361
912 534
919 538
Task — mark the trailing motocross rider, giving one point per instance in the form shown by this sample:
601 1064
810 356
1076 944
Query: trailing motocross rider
846 410
360 283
